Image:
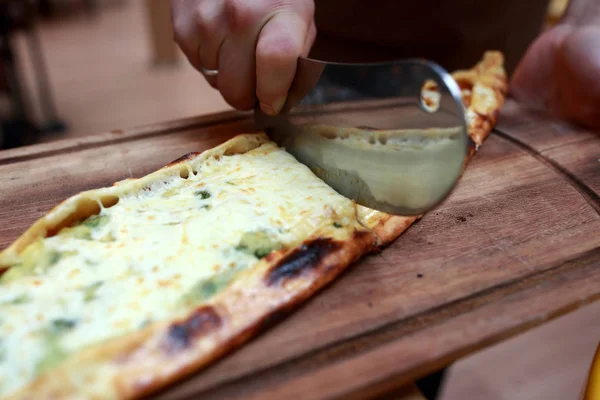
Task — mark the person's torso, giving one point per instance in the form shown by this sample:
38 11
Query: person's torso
452 33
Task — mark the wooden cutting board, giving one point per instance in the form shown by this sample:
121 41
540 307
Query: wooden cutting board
516 244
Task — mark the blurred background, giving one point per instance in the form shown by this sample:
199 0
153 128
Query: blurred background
78 67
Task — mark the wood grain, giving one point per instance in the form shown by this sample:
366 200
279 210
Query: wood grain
572 152
515 245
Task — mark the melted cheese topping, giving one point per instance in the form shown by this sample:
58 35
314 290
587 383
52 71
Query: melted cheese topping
143 259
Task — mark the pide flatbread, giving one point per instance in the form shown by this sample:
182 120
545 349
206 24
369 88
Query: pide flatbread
122 290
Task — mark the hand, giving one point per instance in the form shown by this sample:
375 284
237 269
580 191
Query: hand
561 73
254 45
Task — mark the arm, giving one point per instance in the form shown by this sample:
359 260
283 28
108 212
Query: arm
560 71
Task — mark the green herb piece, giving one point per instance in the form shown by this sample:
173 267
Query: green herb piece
84 229
230 183
36 259
145 323
203 194
62 325
258 244
205 289
51 358
54 257
78 232
95 221
337 225
89 292
21 299
54 353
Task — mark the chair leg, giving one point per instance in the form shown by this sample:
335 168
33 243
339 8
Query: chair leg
53 123
19 129
11 75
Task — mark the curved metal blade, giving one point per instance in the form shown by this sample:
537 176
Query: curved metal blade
366 130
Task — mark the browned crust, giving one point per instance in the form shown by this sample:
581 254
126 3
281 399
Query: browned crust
183 158
392 227
162 353
386 227
488 85
248 307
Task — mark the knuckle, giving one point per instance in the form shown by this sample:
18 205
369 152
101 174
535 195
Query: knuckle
182 34
177 37
179 30
201 13
242 14
277 51
206 20
183 41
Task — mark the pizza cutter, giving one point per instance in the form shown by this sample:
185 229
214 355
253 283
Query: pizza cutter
390 136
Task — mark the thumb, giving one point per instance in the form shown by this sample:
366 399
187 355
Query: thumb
284 38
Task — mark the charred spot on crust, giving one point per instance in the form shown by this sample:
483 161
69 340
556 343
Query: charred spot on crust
306 257
181 334
186 157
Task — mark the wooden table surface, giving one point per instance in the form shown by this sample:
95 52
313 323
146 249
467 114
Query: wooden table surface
515 245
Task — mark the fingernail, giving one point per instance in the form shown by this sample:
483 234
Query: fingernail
267 109
278 105
272 109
